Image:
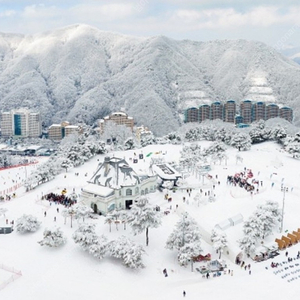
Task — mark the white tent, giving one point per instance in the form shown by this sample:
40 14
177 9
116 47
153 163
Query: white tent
236 219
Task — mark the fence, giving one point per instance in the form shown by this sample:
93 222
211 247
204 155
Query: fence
15 275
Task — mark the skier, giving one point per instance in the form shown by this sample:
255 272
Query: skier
184 293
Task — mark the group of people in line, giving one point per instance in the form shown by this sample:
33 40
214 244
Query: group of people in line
59 199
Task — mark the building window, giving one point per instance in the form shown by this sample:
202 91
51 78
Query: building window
136 190
142 192
128 192
146 191
18 126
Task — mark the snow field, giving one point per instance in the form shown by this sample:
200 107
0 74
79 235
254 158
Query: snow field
68 272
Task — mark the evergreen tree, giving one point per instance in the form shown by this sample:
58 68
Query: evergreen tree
53 238
259 133
251 234
278 134
99 249
125 249
27 223
143 216
269 216
85 236
219 239
81 211
147 138
293 145
241 141
186 239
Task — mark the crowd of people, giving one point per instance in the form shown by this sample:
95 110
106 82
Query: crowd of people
60 199
244 180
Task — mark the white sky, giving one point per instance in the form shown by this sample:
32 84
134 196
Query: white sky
273 22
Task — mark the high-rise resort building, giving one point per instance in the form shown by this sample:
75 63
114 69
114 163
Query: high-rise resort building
216 111
204 112
229 111
286 113
21 123
191 114
119 118
248 112
259 111
272 111
57 132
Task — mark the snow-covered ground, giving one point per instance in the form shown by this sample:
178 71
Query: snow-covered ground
69 273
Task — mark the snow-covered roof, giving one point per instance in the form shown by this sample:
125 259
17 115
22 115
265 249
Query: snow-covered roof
115 172
33 147
236 219
223 225
98 189
119 113
165 171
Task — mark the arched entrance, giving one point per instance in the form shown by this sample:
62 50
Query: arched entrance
95 208
128 204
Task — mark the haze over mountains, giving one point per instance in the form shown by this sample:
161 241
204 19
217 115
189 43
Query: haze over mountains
80 73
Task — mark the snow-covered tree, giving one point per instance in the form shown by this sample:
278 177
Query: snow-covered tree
260 225
173 138
114 217
85 236
293 145
53 238
130 143
116 133
220 241
193 134
81 211
278 134
191 155
66 164
268 215
215 147
143 216
125 249
247 244
70 212
27 223
216 151
99 249
241 141
259 133
224 135
186 239
5 160
147 138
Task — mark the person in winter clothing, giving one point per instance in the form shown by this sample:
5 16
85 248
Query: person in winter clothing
184 293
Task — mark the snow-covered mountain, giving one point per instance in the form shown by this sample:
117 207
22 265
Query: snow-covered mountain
292 52
80 73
